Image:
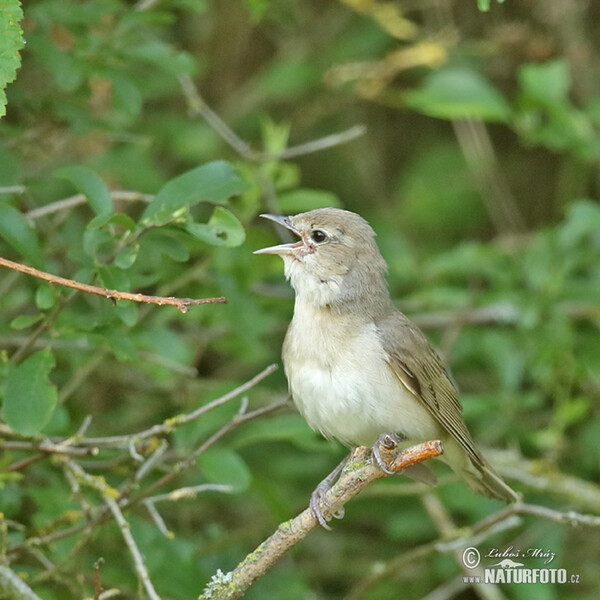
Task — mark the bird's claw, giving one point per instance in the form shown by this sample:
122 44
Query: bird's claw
388 442
318 497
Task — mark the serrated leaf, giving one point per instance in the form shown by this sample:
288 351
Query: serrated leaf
16 231
11 42
458 93
29 398
222 229
213 182
90 184
221 465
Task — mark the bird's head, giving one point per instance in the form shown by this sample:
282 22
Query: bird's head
335 258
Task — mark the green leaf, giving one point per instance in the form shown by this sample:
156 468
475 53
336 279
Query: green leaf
25 321
484 5
583 219
302 200
90 184
221 465
222 229
546 84
127 311
11 42
213 182
120 219
127 256
16 231
45 297
29 398
114 278
459 93
166 241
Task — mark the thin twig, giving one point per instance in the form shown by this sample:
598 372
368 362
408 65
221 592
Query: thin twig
13 585
140 567
108 495
47 447
187 493
102 516
12 189
79 199
198 107
171 424
176 495
182 304
211 441
505 519
335 139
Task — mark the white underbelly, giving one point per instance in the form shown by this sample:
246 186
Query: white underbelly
356 400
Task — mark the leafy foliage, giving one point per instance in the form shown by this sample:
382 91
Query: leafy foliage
11 42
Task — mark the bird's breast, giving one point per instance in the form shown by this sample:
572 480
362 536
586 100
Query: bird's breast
340 380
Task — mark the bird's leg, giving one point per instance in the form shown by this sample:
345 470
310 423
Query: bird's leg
318 495
385 445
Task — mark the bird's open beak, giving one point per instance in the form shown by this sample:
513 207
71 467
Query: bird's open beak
281 248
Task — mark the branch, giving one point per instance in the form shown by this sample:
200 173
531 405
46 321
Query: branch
13 585
463 537
109 494
47 447
78 199
182 304
102 515
172 423
198 107
357 474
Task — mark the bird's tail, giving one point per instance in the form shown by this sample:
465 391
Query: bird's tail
477 473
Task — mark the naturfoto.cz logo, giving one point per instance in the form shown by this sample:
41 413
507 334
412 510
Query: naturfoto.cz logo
508 570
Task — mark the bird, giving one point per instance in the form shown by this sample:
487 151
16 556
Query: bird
357 367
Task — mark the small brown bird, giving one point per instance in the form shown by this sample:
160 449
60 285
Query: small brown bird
356 366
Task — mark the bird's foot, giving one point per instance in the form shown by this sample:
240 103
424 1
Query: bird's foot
319 497
384 451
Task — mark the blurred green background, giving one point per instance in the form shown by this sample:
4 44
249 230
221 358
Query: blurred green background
478 168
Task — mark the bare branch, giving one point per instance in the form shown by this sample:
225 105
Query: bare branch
182 304
170 424
108 494
198 107
12 189
329 141
47 447
79 199
460 538
357 474
13 585
140 567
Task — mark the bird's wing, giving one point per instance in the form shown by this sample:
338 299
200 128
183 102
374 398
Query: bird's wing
420 370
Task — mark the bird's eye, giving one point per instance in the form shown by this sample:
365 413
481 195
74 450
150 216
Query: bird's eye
318 236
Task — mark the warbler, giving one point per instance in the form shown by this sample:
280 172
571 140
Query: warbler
356 366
